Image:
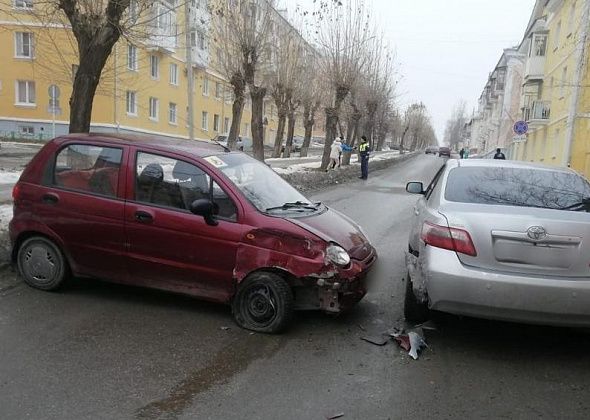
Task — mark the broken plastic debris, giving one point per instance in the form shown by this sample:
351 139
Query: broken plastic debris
335 416
225 328
378 340
416 344
428 325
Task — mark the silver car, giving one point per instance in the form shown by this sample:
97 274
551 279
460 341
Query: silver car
501 240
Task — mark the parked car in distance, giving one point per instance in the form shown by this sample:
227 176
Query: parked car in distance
501 240
444 151
430 150
295 146
187 217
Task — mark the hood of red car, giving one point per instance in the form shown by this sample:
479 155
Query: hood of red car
333 226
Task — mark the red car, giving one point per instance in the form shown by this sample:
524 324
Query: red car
188 217
444 151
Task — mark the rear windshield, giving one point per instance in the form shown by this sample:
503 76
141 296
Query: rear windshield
516 187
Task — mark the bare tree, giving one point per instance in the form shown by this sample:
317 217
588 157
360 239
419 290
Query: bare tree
92 28
310 92
454 130
418 127
343 33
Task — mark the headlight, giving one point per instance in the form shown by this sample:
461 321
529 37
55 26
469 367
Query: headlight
338 255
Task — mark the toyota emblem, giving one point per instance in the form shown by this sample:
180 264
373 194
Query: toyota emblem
536 233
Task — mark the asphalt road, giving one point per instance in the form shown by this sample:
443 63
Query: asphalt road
100 351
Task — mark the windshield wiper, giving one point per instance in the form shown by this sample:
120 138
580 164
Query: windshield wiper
583 205
296 205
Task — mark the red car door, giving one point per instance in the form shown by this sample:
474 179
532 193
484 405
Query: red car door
168 246
83 205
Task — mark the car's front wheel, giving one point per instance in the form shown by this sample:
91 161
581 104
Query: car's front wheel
414 310
263 303
42 264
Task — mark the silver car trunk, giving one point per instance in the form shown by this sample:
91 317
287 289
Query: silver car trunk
524 239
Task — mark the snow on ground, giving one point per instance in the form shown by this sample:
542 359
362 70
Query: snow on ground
5 217
303 167
9 177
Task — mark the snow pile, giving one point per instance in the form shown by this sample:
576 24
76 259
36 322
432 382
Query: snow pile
9 177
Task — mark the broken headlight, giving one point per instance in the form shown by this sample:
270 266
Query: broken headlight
337 255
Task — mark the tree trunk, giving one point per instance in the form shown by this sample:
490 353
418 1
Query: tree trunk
332 115
309 111
356 118
290 134
257 94
280 134
401 142
85 85
239 88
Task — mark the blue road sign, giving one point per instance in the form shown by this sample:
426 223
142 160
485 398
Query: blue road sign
521 127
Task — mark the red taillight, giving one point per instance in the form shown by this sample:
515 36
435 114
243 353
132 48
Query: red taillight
457 240
16 192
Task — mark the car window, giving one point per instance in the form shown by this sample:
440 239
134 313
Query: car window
93 169
528 187
169 182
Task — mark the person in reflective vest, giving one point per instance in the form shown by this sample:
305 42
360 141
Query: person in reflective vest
364 150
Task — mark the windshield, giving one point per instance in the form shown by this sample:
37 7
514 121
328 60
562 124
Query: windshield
517 187
266 190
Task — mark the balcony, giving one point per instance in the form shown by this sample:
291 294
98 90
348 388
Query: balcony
538 114
535 68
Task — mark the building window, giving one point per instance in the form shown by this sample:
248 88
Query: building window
215 122
205 86
217 90
172 113
201 40
563 82
24 44
225 125
132 57
23 4
174 74
154 108
205 120
131 102
570 22
539 46
557 35
25 92
155 66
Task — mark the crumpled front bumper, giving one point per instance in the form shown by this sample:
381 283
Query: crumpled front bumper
339 292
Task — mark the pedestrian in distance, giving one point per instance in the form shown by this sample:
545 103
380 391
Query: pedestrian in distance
499 154
364 150
345 148
335 152
461 153
466 154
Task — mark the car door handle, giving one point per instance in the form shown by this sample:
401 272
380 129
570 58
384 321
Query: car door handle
143 217
50 198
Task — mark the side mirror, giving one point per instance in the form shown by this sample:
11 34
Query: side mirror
205 208
415 188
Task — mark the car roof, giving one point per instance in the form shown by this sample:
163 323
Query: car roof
495 163
199 148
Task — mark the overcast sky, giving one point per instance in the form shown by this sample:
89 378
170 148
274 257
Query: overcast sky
446 48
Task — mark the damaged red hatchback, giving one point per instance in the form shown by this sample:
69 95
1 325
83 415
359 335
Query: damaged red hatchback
188 217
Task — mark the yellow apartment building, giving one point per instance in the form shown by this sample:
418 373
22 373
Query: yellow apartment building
556 90
144 86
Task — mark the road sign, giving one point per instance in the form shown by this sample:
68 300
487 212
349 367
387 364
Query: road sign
53 92
520 138
520 127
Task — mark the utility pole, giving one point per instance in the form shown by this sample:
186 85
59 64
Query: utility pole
189 70
581 58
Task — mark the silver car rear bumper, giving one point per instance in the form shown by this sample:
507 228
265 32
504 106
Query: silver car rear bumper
455 288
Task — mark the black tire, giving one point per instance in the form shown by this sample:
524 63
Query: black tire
42 264
263 303
414 310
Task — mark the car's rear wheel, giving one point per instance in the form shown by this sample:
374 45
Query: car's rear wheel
42 264
263 303
414 310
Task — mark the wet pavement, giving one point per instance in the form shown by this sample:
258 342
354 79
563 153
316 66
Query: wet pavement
99 351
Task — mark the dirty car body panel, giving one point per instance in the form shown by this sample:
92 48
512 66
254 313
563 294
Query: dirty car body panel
508 241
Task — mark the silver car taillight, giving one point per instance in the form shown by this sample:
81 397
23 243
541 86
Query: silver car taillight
444 237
